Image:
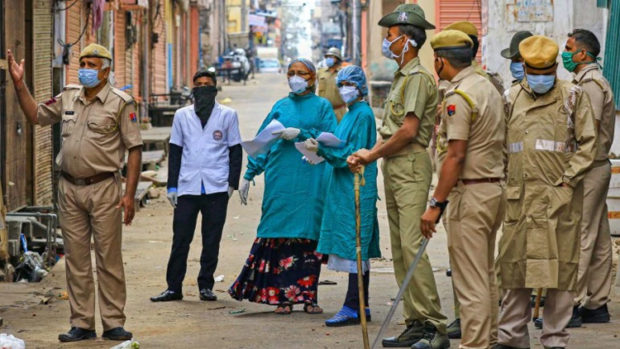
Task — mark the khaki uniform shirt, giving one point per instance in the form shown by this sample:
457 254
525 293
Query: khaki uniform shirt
329 90
413 91
473 111
599 91
95 134
551 140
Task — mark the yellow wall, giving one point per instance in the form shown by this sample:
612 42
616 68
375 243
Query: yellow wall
426 54
234 19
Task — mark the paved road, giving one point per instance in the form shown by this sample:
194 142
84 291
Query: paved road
195 324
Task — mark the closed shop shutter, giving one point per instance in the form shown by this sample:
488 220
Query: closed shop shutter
450 11
42 86
611 69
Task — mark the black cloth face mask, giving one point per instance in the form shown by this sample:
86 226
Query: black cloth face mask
204 101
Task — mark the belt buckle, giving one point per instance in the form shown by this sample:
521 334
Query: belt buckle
80 181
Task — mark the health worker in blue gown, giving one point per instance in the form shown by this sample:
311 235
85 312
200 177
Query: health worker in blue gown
357 130
283 267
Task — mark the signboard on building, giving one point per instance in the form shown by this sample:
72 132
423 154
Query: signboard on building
526 11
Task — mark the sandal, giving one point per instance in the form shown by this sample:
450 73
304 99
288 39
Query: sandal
312 308
284 309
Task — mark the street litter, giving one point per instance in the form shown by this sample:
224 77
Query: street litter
219 278
30 268
11 342
234 312
130 344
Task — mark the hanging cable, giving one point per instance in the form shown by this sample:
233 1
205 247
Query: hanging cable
59 9
66 48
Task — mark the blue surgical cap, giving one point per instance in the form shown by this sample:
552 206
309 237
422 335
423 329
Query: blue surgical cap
354 74
308 63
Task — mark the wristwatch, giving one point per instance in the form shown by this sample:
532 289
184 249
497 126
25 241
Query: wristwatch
436 204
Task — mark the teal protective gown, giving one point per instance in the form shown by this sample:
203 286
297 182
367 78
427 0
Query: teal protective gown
357 129
294 190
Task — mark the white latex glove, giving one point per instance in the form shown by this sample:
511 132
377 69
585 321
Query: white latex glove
244 188
172 197
311 144
288 133
230 191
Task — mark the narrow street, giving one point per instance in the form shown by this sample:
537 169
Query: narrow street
227 323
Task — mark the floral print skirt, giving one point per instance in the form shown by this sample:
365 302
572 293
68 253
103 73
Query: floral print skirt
279 271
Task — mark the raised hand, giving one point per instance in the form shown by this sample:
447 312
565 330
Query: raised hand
16 70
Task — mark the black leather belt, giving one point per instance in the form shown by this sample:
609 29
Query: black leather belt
88 180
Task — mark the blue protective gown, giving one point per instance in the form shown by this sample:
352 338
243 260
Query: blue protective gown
294 190
357 129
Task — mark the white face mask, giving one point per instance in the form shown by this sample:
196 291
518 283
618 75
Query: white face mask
387 51
297 84
348 93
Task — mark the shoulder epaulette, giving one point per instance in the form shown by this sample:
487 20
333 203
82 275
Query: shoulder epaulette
124 96
72 87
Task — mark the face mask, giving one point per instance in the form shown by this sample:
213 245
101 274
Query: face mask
385 48
204 101
541 84
348 93
567 60
516 69
329 62
88 77
297 84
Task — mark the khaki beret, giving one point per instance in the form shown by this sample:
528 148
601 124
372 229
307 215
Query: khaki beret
464 26
95 50
406 14
451 39
539 52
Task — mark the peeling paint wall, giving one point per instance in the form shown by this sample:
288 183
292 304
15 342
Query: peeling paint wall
503 22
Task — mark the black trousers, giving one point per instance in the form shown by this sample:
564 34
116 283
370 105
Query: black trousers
213 209
352 299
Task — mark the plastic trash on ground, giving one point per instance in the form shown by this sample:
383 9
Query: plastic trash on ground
10 342
219 278
130 344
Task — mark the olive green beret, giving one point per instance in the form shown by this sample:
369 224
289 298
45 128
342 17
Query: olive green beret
406 14
95 50
451 39
464 26
539 52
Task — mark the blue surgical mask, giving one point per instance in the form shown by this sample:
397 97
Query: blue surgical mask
516 69
329 62
88 77
348 93
297 84
385 48
540 84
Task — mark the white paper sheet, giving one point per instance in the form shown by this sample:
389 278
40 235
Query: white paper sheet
309 156
263 140
329 140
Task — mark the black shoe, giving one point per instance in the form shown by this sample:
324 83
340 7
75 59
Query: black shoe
77 334
575 320
117 334
410 335
454 329
595 316
432 339
167 296
207 295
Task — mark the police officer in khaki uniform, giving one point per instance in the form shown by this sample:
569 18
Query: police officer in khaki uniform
406 132
327 82
551 142
473 129
99 124
595 277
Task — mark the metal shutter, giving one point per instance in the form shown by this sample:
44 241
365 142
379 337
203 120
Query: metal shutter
450 11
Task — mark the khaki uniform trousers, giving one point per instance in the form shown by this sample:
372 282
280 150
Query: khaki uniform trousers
594 277
474 215
407 179
90 211
516 313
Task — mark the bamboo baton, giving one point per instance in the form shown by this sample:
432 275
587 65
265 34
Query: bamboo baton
358 246
537 304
